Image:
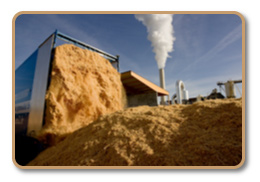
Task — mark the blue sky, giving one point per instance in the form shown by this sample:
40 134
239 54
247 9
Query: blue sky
208 47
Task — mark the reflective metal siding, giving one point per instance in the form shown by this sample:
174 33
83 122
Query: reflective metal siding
39 86
23 91
24 79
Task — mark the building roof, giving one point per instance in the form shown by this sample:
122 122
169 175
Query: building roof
135 84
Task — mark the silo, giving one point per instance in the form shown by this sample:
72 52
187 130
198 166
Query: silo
230 91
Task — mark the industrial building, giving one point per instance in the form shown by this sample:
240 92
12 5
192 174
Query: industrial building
141 91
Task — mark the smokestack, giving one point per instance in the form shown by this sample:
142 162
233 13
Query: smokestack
160 33
162 84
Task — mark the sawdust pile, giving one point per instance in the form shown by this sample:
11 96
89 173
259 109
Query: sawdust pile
203 134
83 86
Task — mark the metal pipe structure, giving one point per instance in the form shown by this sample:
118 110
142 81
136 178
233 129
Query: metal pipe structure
67 38
114 60
229 87
179 89
182 94
173 98
162 84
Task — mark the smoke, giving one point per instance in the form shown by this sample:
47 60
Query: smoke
160 33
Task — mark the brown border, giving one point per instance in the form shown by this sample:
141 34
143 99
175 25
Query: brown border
129 12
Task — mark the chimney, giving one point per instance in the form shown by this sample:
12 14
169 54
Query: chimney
162 84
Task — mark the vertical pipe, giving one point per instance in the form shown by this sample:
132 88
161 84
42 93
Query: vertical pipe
117 60
162 84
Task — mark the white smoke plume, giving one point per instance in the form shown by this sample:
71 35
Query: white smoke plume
160 33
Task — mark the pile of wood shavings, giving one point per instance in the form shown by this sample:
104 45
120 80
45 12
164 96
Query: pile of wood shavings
203 134
83 86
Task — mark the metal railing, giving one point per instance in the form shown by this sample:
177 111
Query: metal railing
66 38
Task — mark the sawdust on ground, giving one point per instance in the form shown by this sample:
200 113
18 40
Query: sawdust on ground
205 133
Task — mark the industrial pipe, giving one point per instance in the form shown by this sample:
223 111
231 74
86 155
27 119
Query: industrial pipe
162 84
181 93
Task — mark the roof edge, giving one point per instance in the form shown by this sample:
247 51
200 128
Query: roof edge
151 85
